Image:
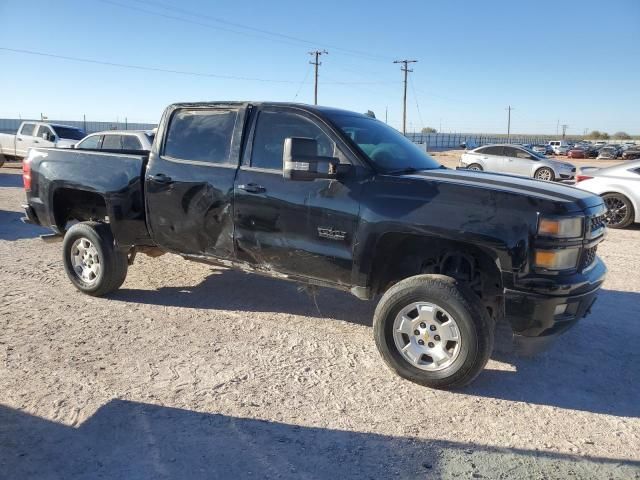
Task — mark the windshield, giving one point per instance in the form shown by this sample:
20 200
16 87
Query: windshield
387 148
69 133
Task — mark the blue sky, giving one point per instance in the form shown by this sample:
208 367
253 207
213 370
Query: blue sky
576 62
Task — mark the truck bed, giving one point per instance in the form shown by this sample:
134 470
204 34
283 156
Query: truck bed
61 178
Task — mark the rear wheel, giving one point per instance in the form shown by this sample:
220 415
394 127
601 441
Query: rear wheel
434 331
475 166
92 262
545 173
620 213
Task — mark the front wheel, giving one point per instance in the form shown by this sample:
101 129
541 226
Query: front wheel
620 212
434 331
545 173
92 262
475 167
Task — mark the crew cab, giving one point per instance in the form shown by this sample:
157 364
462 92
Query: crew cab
336 199
37 134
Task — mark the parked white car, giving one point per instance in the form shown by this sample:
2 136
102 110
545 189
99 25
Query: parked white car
619 187
37 134
517 160
118 140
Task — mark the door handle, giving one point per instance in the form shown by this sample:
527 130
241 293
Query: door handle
160 178
36 141
252 188
19 139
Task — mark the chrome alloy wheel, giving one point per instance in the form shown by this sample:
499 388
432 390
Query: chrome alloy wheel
85 260
426 336
543 174
616 210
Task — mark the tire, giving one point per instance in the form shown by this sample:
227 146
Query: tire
620 212
475 331
476 167
545 173
88 247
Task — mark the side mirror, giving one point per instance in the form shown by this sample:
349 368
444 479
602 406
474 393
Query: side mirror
300 161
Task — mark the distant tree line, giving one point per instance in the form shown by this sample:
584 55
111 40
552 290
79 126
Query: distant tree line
598 135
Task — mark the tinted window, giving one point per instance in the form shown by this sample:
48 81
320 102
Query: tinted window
492 151
201 135
514 152
112 142
28 128
69 133
92 142
271 130
42 129
129 142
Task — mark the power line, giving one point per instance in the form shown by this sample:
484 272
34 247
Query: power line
306 75
271 35
415 97
404 68
316 63
159 69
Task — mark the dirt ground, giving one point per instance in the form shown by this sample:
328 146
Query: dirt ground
190 371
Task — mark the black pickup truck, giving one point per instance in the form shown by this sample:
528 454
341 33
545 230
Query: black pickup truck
335 199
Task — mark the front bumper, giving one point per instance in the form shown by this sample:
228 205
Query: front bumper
538 318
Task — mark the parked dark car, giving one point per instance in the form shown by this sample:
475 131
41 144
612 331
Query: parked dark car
631 153
336 199
608 153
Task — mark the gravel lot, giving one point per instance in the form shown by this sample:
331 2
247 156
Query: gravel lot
197 372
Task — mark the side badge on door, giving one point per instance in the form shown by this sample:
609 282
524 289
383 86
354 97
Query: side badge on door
331 234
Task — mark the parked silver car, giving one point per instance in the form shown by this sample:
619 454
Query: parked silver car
517 160
619 186
134 140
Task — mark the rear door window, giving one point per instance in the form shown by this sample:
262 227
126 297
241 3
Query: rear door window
492 151
27 129
112 142
131 142
201 135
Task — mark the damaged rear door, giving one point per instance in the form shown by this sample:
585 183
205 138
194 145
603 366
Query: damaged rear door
189 179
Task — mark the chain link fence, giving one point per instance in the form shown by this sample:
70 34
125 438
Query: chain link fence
11 125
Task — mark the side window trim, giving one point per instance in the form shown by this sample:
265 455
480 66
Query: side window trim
235 139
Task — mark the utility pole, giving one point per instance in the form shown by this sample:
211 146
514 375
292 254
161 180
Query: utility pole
509 124
564 130
557 127
405 68
317 63
386 114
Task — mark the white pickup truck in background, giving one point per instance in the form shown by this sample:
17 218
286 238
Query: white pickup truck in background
37 134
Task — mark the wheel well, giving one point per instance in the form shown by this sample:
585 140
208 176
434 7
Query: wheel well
399 256
70 204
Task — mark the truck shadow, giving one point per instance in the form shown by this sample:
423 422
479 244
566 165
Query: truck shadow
593 367
124 439
228 290
12 228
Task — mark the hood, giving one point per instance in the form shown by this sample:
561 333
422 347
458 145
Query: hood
65 143
571 198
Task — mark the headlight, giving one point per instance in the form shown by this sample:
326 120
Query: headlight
557 259
560 227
